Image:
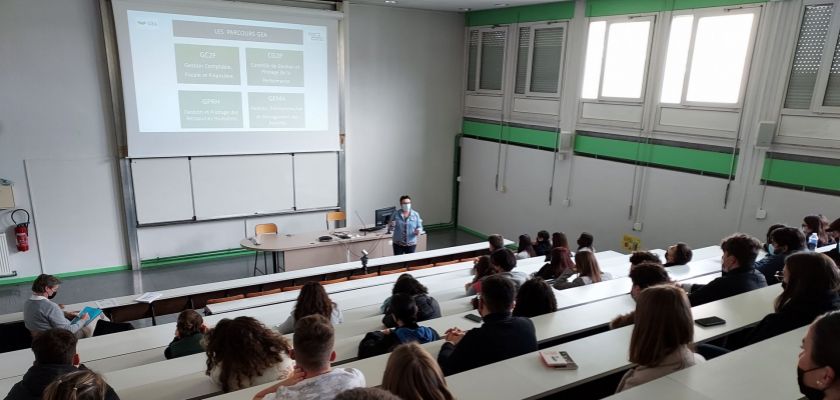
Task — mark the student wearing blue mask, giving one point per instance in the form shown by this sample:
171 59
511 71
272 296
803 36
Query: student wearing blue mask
783 242
407 226
834 232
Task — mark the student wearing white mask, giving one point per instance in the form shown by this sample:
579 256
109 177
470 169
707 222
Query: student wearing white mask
407 225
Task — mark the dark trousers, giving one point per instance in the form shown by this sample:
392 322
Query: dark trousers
399 249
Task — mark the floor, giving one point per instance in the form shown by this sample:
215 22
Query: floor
122 283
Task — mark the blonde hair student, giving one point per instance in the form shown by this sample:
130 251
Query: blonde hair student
413 374
79 385
662 336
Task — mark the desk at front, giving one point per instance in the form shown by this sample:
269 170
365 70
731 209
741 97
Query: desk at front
303 250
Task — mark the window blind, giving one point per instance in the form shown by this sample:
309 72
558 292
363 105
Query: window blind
522 59
472 58
832 91
545 66
492 60
806 59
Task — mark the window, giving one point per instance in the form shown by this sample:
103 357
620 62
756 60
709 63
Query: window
814 80
486 59
707 57
616 58
539 59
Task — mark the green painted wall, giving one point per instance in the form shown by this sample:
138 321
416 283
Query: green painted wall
602 8
509 15
804 174
655 154
516 135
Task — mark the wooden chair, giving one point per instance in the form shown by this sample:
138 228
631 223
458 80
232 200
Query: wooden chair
394 271
262 229
442 263
290 288
424 266
263 293
471 259
370 275
226 299
335 216
331 281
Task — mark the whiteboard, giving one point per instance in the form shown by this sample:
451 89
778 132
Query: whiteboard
316 180
162 191
229 186
77 216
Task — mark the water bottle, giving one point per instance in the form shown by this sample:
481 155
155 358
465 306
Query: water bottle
812 241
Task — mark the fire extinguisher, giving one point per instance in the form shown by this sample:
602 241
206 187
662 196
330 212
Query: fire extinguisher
21 231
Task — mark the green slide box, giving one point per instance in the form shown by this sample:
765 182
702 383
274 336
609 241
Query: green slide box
269 67
215 65
210 109
276 110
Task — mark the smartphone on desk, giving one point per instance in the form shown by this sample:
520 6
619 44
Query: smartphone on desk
473 318
710 321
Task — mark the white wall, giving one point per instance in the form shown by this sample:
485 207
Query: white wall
54 105
403 108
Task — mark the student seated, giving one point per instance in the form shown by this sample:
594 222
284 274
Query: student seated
662 336
783 242
505 261
500 337
413 374
678 254
55 355
314 378
810 282
819 362
41 314
643 276
834 231
586 242
535 297
638 257
813 224
366 394
588 272
543 245
189 332
560 265
242 352
558 239
79 385
427 307
403 310
495 242
313 299
526 248
483 268
766 245
739 275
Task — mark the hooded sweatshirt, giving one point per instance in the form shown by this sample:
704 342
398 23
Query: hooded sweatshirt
38 377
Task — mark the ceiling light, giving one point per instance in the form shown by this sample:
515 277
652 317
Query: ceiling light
465 9
390 1
502 5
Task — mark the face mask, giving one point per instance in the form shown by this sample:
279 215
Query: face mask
52 295
770 249
406 207
809 392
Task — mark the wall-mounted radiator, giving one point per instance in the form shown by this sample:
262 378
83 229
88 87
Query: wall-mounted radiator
5 263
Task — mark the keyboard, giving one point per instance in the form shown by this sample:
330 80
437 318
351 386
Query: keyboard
372 228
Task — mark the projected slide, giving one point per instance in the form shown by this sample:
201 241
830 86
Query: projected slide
209 74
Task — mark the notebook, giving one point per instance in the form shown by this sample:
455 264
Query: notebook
92 312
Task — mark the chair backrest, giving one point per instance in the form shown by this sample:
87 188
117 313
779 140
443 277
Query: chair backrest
336 216
265 228
394 271
424 266
370 275
442 263
263 293
333 281
226 299
290 288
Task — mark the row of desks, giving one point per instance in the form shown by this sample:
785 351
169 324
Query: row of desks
191 381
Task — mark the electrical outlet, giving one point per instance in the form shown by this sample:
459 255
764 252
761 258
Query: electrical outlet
503 189
637 226
761 213
567 202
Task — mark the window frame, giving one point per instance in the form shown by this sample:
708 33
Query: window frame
649 50
481 30
745 73
821 85
530 62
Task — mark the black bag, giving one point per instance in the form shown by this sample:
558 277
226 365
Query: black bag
376 343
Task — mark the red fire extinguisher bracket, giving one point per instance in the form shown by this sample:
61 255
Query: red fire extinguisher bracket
21 231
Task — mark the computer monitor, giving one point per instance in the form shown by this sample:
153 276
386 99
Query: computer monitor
383 215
